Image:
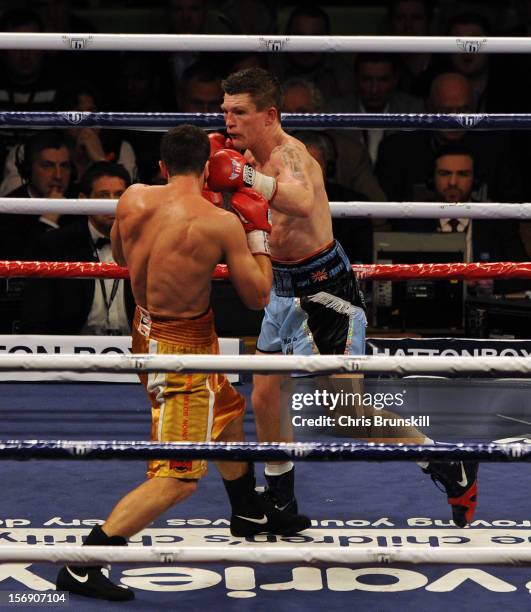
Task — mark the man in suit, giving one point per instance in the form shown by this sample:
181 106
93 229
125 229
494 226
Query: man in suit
46 170
331 72
376 77
81 306
405 159
45 166
352 167
453 179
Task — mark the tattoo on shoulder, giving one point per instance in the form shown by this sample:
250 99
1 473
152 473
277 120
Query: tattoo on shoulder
291 158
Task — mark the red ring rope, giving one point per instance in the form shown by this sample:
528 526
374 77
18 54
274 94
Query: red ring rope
458 271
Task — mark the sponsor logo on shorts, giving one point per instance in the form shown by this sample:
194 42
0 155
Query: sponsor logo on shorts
181 466
319 276
144 325
287 344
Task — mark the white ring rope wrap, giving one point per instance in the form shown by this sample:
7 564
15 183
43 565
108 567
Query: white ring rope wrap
264 43
267 553
377 210
430 210
314 364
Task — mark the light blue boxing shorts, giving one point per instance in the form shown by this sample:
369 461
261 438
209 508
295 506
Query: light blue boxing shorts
316 307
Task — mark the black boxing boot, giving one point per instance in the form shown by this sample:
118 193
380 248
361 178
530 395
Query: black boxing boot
460 482
253 513
280 491
91 580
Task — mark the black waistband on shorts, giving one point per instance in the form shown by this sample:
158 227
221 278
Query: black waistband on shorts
313 274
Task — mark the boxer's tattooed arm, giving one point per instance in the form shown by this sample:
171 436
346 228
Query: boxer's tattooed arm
293 171
291 160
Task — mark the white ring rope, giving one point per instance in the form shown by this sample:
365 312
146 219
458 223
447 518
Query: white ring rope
313 364
431 210
376 210
267 553
262 43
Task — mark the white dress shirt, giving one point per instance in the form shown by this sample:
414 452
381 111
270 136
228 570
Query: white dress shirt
107 314
464 225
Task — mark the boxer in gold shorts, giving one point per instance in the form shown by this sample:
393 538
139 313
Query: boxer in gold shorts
184 407
171 237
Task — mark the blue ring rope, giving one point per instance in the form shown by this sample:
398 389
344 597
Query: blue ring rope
294 120
254 451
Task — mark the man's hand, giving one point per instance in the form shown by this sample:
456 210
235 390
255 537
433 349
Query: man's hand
56 192
228 170
252 209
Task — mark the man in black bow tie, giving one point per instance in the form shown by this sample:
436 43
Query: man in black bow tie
81 306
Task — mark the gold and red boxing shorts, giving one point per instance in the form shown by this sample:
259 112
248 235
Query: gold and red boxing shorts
184 407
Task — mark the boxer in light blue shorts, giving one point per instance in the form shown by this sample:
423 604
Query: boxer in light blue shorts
316 307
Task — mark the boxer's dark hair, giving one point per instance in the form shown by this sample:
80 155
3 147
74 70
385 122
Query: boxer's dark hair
263 87
185 150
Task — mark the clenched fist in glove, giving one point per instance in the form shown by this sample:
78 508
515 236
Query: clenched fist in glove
229 171
252 209
218 142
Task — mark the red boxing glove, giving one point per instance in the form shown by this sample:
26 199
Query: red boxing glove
228 170
252 208
213 198
217 142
